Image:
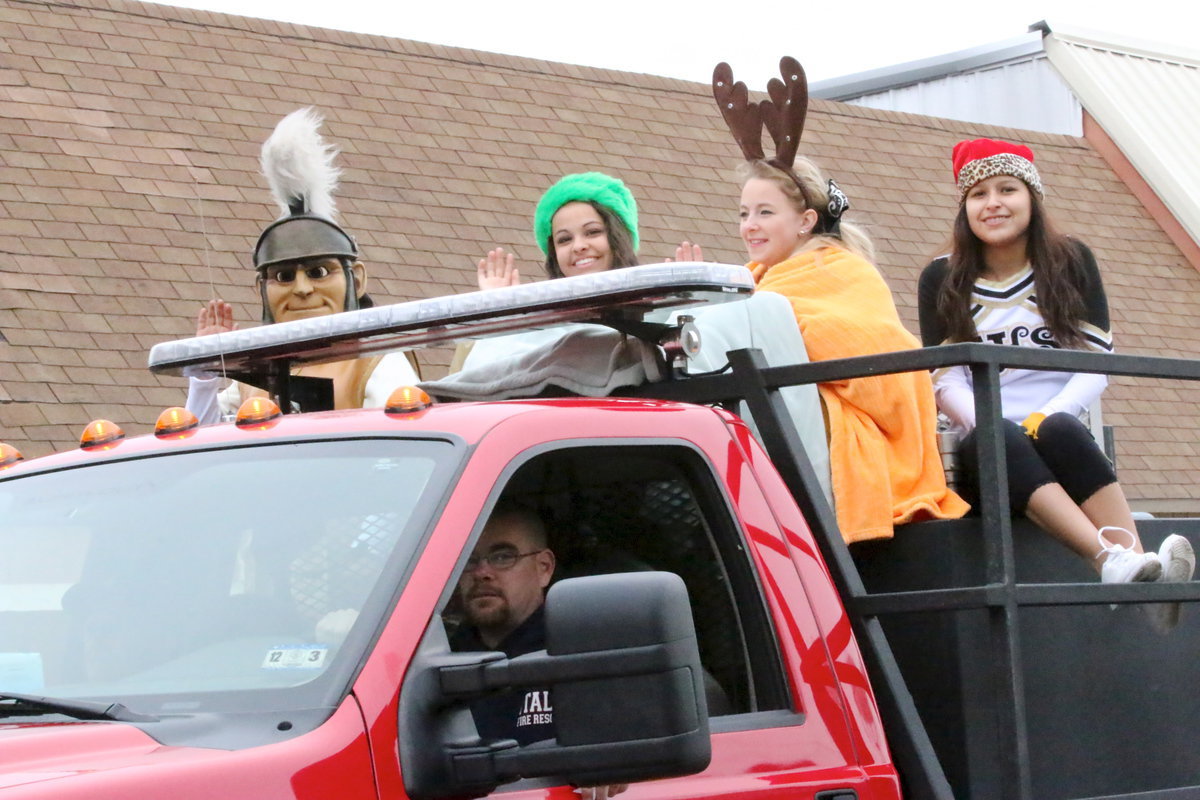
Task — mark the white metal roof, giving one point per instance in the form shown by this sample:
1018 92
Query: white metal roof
1148 102
876 80
1024 92
1146 97
1009 83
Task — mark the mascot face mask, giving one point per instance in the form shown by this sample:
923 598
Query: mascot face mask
311 288
306 240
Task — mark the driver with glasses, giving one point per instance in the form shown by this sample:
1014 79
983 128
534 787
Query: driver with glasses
502 590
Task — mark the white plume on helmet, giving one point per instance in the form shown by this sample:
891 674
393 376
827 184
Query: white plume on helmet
298 165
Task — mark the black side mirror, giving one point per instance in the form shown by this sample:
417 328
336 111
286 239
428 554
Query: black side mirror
624 670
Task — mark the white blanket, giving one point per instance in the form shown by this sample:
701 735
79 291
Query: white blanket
765 321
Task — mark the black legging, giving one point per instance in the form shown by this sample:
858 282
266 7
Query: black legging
1064 453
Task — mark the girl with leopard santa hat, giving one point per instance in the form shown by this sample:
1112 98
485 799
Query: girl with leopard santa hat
1012 278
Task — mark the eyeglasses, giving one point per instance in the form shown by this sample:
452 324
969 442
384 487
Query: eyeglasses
286 273
499 560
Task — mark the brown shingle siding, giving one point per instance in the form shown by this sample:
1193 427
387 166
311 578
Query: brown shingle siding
116 118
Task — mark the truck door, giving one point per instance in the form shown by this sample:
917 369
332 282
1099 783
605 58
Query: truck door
780 726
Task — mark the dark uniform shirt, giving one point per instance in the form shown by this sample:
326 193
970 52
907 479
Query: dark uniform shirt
524 714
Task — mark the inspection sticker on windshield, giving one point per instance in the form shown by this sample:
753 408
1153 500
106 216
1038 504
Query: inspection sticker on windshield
296 656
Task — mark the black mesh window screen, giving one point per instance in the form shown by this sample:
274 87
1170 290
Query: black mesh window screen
630 508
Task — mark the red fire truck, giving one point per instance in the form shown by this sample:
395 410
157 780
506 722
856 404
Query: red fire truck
162 597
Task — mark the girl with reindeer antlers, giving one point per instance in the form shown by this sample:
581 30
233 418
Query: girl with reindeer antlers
800 247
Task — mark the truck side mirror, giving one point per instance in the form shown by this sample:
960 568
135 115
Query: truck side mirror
624 669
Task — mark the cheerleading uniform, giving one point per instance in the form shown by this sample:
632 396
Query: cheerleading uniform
1006 312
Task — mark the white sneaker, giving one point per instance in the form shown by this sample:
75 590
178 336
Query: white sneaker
1177 558
1178 561
1124 565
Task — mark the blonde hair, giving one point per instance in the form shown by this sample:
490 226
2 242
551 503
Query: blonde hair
815 190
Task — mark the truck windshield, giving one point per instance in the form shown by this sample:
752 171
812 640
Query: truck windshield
206 573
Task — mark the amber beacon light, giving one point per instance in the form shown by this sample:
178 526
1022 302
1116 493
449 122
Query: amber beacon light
175 423
407 400
258 413
100 434
9 455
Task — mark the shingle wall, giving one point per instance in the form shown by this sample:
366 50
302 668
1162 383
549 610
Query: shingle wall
129 193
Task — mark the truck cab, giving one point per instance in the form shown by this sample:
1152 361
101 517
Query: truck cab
266 607
188 582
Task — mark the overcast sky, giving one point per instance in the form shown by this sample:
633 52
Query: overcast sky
831 38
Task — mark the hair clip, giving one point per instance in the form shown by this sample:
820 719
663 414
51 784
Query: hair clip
838 202
831 220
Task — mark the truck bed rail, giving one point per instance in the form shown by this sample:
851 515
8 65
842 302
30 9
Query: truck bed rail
999 594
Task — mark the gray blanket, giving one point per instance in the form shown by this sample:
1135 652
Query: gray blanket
593 361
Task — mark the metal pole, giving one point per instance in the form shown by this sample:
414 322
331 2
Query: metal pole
1011 741
278 372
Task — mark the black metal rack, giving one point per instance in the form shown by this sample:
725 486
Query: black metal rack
1000 596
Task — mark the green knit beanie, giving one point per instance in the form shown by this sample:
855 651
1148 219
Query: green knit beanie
597 187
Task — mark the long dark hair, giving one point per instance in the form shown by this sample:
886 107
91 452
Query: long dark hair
620 242
1058 275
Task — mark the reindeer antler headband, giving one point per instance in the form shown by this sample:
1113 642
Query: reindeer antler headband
783 116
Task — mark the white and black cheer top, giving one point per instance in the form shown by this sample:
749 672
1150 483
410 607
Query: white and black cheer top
1006 312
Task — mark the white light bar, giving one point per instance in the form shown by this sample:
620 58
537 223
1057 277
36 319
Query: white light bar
648 293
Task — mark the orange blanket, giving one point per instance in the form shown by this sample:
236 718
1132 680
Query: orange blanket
845 309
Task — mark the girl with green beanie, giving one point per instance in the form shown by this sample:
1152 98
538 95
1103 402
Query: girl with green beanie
584 223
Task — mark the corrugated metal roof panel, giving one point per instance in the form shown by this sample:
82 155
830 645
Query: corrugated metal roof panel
874 81
1027 93
1149 104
